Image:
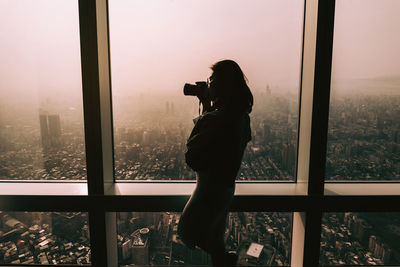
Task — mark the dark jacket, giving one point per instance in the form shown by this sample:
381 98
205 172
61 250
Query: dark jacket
216 145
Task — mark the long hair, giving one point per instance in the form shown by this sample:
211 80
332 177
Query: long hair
232 90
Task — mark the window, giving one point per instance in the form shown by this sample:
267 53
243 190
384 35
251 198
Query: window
41 119
360 238
364 128
158 46
150 238
44 238
310 201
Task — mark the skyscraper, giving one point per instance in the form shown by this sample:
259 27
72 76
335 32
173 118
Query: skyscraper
68 225
50 130
44 130
140 247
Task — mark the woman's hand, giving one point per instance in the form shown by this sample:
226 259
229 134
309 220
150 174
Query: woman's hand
205 99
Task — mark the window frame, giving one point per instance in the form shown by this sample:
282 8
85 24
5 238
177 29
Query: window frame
102 197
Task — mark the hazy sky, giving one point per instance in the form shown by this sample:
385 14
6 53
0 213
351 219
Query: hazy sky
367 39
161 44
40 50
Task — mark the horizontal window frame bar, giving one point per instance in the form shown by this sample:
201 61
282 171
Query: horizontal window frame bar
176 203
356 265
44 181
46 265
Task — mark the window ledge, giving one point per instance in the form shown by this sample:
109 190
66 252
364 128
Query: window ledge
43 188
362 189
186 188
183 189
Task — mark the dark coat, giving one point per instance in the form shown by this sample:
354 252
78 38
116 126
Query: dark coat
216 145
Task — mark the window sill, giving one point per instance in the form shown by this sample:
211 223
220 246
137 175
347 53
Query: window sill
47 188
184 189
74 188
362 189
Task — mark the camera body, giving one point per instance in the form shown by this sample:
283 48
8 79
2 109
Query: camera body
200 89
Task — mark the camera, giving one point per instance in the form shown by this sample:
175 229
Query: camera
200 89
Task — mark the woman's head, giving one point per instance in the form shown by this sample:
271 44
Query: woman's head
228 86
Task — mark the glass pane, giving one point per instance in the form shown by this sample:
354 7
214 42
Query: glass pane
157 46
150 238
41 117
365 238
44 238
364 121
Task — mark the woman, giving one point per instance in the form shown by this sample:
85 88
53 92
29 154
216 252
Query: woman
215 150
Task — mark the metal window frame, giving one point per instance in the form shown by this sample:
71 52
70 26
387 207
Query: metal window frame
307 199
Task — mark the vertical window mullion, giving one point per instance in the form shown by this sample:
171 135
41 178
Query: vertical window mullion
319 128
96 94
320 106
93 21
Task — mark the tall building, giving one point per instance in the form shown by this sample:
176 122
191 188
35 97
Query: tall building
68 225
54 126
126 249
50 131
167 108
372 242
44 130
140 247
288 156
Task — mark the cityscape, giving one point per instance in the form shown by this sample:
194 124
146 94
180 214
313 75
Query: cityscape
42 144
364 138
150 238
151 46
150 133
150 136
44 238
352 238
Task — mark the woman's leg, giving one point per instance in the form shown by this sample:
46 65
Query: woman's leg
218 253
203 221
189 221
213 239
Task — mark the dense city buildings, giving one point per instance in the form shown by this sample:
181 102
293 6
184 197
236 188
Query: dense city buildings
150 134
363 141
44 238
150 238
39 145
364 138
360 239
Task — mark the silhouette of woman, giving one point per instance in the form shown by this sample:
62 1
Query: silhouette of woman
215 150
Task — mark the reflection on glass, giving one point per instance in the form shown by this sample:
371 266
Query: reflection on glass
41 119
158 46
150 238
353 238
44 238
364 125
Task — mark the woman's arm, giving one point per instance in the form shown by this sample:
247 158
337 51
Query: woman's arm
204 142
